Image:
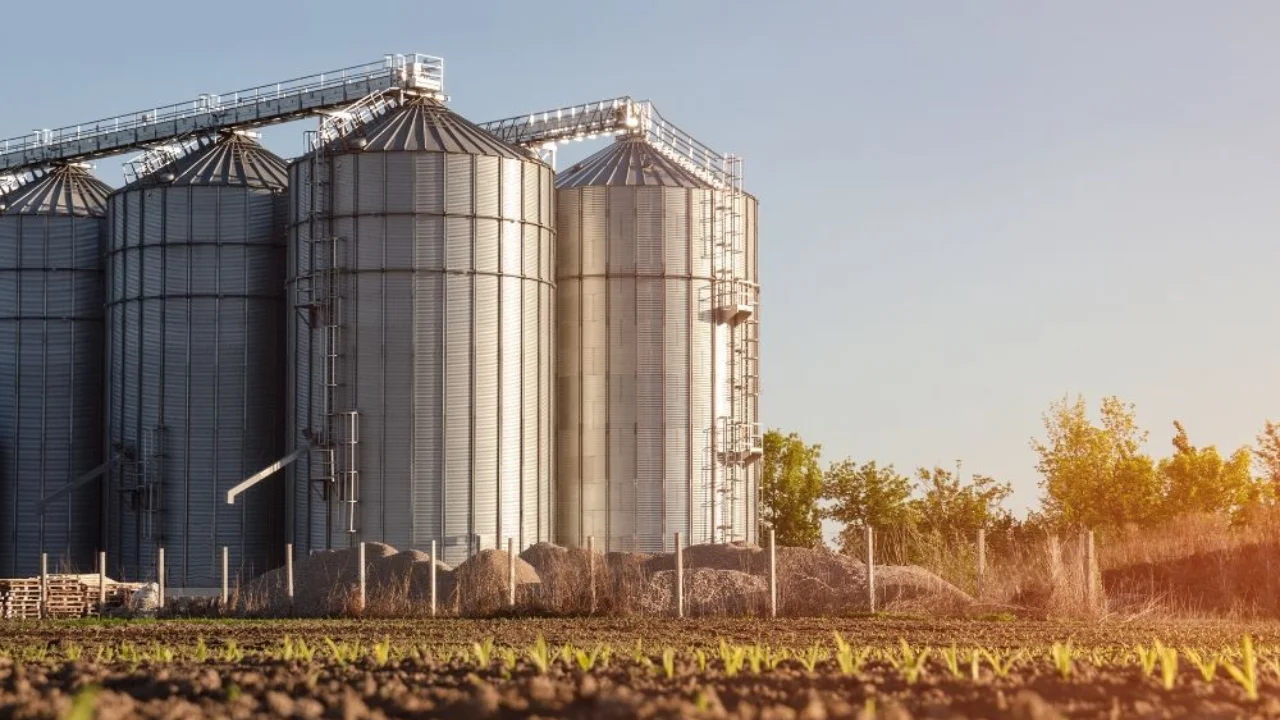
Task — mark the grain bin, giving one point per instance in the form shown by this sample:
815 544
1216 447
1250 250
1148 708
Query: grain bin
656 374
195 329
421 267
51 340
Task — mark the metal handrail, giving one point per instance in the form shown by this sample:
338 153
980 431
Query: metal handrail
428 74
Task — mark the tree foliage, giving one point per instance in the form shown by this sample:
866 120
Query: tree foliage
1199 480
950 508
866 495
1096 475
790 486
1267 455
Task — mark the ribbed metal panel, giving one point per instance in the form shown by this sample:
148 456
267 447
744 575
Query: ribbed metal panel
634 272
51 344
195 363
444 336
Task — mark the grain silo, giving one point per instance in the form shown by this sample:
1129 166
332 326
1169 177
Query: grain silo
656 347
195 362
51 348
421 264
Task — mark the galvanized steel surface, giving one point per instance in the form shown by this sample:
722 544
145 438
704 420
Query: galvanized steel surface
643 370
51 292
195 351
443 304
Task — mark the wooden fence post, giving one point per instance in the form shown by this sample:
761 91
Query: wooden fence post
363 587
511 572
982 561
160 574
288 574
44 585
871 567
102 581
433 578
679 577
226 580
773 573
591 570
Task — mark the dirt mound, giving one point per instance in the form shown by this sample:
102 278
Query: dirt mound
327 583
907 588
734 556
707 592
480 584
566 577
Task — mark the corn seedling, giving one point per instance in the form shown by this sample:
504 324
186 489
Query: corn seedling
586 660
1206 665
1245 674
1061 655
540 655
1001 665
73 652
700 658
509 659
231 653
1146 659
483 652
913 662
84 704
381 652
812 656
951 657
1168 667
669 662
201 653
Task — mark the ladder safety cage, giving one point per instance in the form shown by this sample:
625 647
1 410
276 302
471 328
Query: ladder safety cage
240 109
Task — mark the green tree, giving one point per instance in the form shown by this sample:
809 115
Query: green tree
1200 480
790 486
1096 475
1267 455
866 495
950 508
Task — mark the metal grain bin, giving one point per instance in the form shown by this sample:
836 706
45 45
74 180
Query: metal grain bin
421 265
51 296
195 367
649 370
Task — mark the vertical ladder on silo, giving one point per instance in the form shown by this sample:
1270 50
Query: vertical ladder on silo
149 480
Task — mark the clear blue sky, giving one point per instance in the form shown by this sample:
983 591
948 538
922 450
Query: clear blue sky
967 208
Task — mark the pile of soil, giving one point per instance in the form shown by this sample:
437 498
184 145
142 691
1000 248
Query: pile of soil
480 583
566 577
328 582
707 592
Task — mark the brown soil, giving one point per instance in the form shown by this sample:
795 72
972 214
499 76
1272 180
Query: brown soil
38 680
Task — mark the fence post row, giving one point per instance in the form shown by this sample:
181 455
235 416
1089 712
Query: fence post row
871 568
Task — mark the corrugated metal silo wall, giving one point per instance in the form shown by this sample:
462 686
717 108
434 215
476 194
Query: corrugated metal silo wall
446 347
195 348
643 371
50 389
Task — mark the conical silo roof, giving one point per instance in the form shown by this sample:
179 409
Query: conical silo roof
231 159
424 125
629 161
63 190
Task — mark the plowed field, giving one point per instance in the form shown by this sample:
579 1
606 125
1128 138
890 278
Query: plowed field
619 668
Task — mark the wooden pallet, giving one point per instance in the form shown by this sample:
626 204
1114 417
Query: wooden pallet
67 596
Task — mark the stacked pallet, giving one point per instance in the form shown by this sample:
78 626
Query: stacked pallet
69 596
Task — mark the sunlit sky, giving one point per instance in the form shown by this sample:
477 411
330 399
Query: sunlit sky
967 209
